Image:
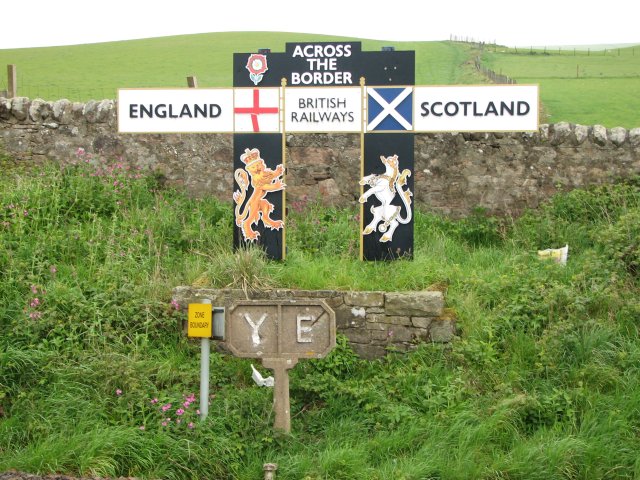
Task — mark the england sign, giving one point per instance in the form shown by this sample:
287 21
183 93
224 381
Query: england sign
175 110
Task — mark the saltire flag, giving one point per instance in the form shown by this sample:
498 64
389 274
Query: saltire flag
390 109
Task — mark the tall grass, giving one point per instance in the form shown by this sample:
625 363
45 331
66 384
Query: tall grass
97 379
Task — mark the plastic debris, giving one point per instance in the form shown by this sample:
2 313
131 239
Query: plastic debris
558 255
260 380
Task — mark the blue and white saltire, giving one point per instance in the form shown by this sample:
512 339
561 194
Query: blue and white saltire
390 108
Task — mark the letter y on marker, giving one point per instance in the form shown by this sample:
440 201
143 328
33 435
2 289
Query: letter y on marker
255 336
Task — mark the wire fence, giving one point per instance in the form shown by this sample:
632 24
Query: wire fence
493 76
586 51
56 92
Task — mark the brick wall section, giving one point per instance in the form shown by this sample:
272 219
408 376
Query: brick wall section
374 322
454 172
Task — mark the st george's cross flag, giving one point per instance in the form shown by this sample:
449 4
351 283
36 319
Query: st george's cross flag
390 109
257 110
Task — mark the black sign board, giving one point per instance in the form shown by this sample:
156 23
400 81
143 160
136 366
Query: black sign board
323 64
259 192
387 213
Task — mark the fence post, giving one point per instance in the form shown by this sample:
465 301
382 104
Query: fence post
270 471
192 82
12 81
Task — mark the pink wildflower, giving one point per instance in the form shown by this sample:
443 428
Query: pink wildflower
166 407
35 302
198 411
164 424
175 304
179 411
142 427
34 289
118 392
154 401
80 151
191 425
53 269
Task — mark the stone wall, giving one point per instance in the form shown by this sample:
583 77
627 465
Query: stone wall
374 322
454 172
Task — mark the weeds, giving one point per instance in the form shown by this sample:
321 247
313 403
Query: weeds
96 378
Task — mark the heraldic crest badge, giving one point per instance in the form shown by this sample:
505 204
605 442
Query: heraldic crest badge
386 216
262 180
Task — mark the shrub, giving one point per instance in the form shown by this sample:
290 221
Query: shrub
621 241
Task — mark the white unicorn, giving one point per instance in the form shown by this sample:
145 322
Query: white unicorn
385 187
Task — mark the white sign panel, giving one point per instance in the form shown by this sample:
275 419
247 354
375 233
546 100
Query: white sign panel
478 108
323 109
257 110
179 110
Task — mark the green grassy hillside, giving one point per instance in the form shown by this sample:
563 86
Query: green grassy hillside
84 72
590 87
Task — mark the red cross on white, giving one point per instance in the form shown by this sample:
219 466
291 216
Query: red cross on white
257 110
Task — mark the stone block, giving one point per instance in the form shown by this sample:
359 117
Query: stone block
560 133
421 322
358 335
418 304
581 133
368 352
373 325
20 108
349 317
421 334
397 320
442 331
335 301
400 333
90 111
5 108
599 134
61 111
364 299
618 136
379 336
105 109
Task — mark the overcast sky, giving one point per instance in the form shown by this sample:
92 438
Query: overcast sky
39 23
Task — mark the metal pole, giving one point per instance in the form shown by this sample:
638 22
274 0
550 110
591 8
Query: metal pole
205 348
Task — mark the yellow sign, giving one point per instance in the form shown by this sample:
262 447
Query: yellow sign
200 323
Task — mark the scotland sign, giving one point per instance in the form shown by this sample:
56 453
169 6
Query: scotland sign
484 108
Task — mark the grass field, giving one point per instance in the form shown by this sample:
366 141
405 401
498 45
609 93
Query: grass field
96 378
588 87
86 72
